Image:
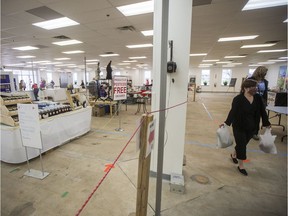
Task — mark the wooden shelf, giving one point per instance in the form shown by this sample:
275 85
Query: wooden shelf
8 108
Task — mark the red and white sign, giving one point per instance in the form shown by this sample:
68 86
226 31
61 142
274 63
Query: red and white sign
119 88
150 137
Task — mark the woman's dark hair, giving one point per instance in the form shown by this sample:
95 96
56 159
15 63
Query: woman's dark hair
247 83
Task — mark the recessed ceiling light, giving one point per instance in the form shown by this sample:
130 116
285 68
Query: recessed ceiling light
268 51
210 60
250 37
124 63
138 57
137 8
257 4
24 48
147 33
92 60
262 63
234 57
27 56
73 52
139 46
277 60
205 64
198 54
109 55
67 42
61 59
56 23
258 45
130 61
223 62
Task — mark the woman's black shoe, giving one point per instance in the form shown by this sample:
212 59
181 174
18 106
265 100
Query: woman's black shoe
235 161
243 171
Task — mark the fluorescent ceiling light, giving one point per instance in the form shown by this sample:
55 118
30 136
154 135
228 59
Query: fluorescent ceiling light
24 48
258 45
147 33
92 60
250 37
257 4
285 20
277 60
109 55
285 57
139 46
234 57
223 62
27 56
138 57
64 65
130 61
67 42
73 52
268 51
37 62
124 63
198 54
137 8
92 63
262 63
254 65
56 23
17 64
61 59
210 60
205 64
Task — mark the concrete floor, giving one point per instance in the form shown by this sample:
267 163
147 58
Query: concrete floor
76 168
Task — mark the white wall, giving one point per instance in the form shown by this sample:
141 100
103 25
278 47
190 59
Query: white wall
237 72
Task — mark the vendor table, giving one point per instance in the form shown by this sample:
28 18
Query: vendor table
55 131
110 103
279 111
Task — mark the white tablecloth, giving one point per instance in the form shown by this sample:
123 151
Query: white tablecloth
55 131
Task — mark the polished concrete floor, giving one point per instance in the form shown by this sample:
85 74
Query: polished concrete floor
213 186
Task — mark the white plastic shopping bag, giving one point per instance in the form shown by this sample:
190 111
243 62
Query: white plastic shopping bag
225 139
267 142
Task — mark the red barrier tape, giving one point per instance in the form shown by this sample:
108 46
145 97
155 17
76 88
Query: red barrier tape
108 168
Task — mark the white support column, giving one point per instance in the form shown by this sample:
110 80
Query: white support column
179 30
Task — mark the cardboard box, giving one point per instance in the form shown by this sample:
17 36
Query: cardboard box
98 111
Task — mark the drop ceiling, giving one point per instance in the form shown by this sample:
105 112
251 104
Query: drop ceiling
104 29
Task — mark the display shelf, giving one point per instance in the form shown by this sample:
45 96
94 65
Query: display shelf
8 107
74 100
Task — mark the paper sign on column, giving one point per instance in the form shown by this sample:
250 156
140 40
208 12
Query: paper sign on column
150 137
29 125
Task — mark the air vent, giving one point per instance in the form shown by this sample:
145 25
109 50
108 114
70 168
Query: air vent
45 13
269 42
201 2
41 46
127 28
62 37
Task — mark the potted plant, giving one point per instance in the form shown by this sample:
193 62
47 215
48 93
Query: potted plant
225 83
205 83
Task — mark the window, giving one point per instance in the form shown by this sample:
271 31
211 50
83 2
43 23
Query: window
75 78
205 77
250 73
49 77
147 77
226 76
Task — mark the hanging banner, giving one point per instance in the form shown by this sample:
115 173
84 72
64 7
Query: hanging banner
29 125
119 84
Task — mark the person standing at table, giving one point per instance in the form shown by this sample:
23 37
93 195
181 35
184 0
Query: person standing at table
246 108
259 75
